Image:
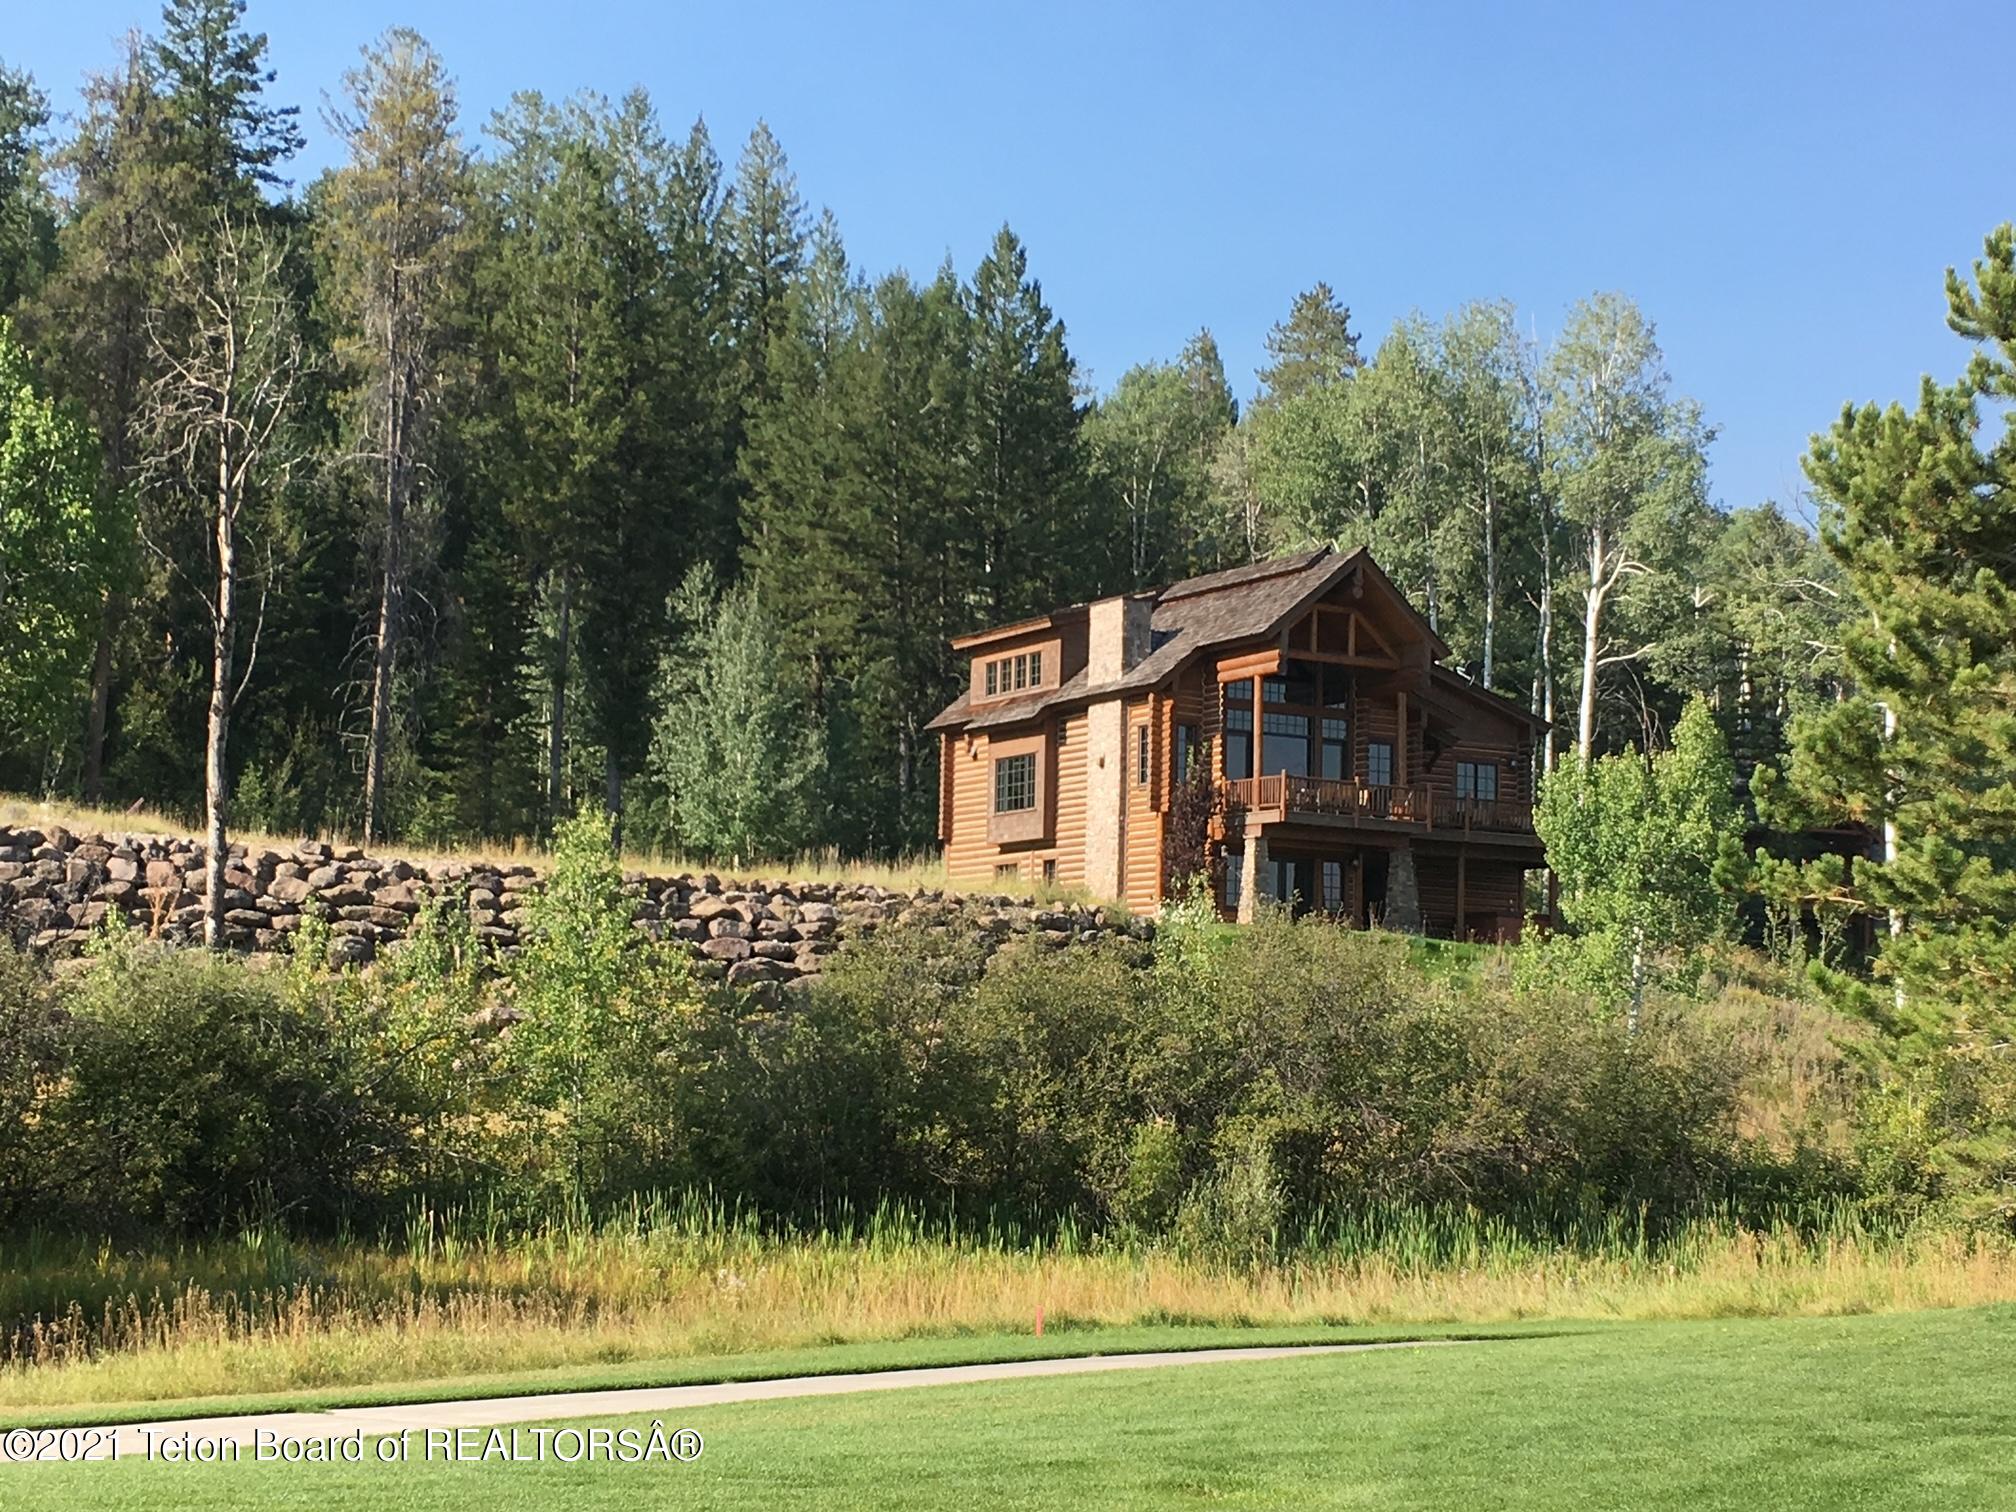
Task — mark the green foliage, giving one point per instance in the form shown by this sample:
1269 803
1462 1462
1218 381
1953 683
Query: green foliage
1151 443
1920 515
1648 853
57 549
596 1002
1314 347
27 219
739 760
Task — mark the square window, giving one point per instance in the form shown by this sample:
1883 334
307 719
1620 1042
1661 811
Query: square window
1007 871
1015 784
1379 763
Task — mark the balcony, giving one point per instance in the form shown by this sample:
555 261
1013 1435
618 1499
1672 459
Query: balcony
1281 795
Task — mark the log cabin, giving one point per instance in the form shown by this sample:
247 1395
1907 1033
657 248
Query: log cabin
1301 704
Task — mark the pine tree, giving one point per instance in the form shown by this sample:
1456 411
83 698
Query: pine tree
226 138
27 219
1025 457
1920 513
90 317
1313 347
393 230
548 286
766 240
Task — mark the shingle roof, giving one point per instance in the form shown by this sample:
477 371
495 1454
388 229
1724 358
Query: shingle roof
1240 603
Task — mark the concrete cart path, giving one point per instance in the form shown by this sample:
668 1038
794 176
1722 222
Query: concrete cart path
138 1440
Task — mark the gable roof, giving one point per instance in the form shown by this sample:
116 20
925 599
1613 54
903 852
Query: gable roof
1196 614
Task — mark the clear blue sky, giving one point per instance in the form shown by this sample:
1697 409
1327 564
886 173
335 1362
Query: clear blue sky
1780 185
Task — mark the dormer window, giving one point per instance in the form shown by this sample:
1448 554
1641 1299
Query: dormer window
1011 674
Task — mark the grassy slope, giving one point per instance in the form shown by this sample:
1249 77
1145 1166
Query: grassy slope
1906 1410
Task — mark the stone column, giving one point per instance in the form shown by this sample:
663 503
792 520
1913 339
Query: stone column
1403 893
1255 867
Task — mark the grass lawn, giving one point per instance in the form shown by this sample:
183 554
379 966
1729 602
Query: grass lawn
1901 1410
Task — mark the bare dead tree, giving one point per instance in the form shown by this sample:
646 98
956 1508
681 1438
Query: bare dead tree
229 356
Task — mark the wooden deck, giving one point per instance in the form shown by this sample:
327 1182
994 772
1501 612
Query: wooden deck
1382 806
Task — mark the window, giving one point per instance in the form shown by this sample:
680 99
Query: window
1238 741
1007 871
1015 784
1235 877
1336 742
1379 762
1011 674
1477 779
1141 754
1333 887
1049 871
1186 748
1287 743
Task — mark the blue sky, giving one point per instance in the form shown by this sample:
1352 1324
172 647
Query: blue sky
1780 185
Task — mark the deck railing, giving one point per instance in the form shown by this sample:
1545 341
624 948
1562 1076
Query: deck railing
1498 815
1409 803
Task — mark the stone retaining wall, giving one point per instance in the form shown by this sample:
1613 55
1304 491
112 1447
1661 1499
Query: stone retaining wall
56 887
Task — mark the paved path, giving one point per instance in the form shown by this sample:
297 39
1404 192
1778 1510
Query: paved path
138 1440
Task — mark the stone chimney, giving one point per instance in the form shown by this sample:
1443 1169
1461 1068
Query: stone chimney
1117 636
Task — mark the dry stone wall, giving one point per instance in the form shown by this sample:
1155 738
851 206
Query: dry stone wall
56 887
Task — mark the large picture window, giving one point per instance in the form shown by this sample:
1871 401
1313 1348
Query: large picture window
1015 784
1287 744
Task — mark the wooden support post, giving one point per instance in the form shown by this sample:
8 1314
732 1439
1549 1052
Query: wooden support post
1400 742
1462 888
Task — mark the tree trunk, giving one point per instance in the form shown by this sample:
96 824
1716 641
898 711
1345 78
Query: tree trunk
612 797
556 730
1637 983
1592 646
382 663
101 699
223 627
381 677
1490 583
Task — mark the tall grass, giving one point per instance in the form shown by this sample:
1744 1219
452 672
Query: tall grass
462 1293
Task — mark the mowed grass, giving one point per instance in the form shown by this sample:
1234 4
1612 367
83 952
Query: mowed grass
1900 1411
